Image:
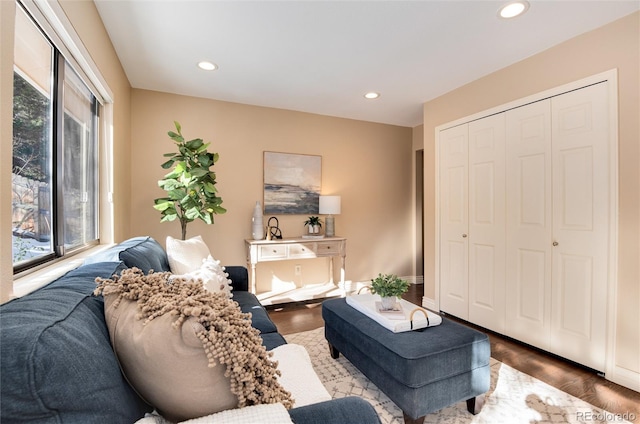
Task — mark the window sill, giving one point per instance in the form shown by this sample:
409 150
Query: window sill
34 280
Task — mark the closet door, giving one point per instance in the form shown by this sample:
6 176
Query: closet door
581 183
529 223
487 222
453 189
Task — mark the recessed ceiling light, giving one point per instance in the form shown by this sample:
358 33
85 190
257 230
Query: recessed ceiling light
372 95
207 66
513 9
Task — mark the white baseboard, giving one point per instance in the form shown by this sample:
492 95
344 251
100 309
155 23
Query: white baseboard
430 304
624 377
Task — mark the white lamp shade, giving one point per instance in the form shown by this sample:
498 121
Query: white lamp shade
329 205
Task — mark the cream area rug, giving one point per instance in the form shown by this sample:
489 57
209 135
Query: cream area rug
513 398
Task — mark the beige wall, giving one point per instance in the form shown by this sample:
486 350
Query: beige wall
616 45
368 164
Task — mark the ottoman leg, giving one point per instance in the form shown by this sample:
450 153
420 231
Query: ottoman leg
409 420
335 353
471 405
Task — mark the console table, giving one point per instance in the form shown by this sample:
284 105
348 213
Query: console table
295 248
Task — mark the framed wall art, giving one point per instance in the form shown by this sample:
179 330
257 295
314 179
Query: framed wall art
292 183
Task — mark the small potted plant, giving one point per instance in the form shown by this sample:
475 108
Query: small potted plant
390 288
313 224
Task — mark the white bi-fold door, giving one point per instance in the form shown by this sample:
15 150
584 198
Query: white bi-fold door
486 222
472 231
529 223
580 245
524 223
558 223
454 221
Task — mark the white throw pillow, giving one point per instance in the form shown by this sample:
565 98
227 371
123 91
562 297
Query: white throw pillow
219 278
213 276
298 376
186 256
272 413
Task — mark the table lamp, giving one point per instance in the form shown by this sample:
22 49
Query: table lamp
329 205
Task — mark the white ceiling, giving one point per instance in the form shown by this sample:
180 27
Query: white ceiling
322 56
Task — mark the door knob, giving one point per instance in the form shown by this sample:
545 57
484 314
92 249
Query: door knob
555 243
464 236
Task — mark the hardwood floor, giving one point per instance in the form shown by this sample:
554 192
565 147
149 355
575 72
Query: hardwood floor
572 378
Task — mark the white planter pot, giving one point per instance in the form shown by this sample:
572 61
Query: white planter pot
389 303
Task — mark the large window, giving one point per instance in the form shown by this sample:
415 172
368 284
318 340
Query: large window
54 176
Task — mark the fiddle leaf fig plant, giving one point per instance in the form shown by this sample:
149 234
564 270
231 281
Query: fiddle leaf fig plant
389 285
190 185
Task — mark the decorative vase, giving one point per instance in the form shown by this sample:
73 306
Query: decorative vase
389 303
257 224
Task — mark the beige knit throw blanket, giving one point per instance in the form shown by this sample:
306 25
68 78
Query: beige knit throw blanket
228 337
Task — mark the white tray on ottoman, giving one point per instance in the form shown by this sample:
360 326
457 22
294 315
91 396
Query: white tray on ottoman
409 319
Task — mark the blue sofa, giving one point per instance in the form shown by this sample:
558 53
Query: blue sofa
56 360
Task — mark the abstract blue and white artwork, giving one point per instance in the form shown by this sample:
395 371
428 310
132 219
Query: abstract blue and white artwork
292 183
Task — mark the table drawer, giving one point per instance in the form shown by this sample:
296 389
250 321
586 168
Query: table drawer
329 249
302 250
266 253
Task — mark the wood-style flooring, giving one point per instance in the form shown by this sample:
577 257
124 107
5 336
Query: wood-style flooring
569 377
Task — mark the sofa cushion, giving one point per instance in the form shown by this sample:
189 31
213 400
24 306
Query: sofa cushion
259 317
342 410
56 359
298 376
140 252
186 255
272 340
167 366
187 351
239 276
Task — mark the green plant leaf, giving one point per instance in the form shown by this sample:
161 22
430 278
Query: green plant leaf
177 194
205 160
209 187
176 137
199 172
169 184
163 206
167 164
192 213
194 144
169 218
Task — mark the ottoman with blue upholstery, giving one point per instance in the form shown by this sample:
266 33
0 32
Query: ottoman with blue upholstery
421 371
